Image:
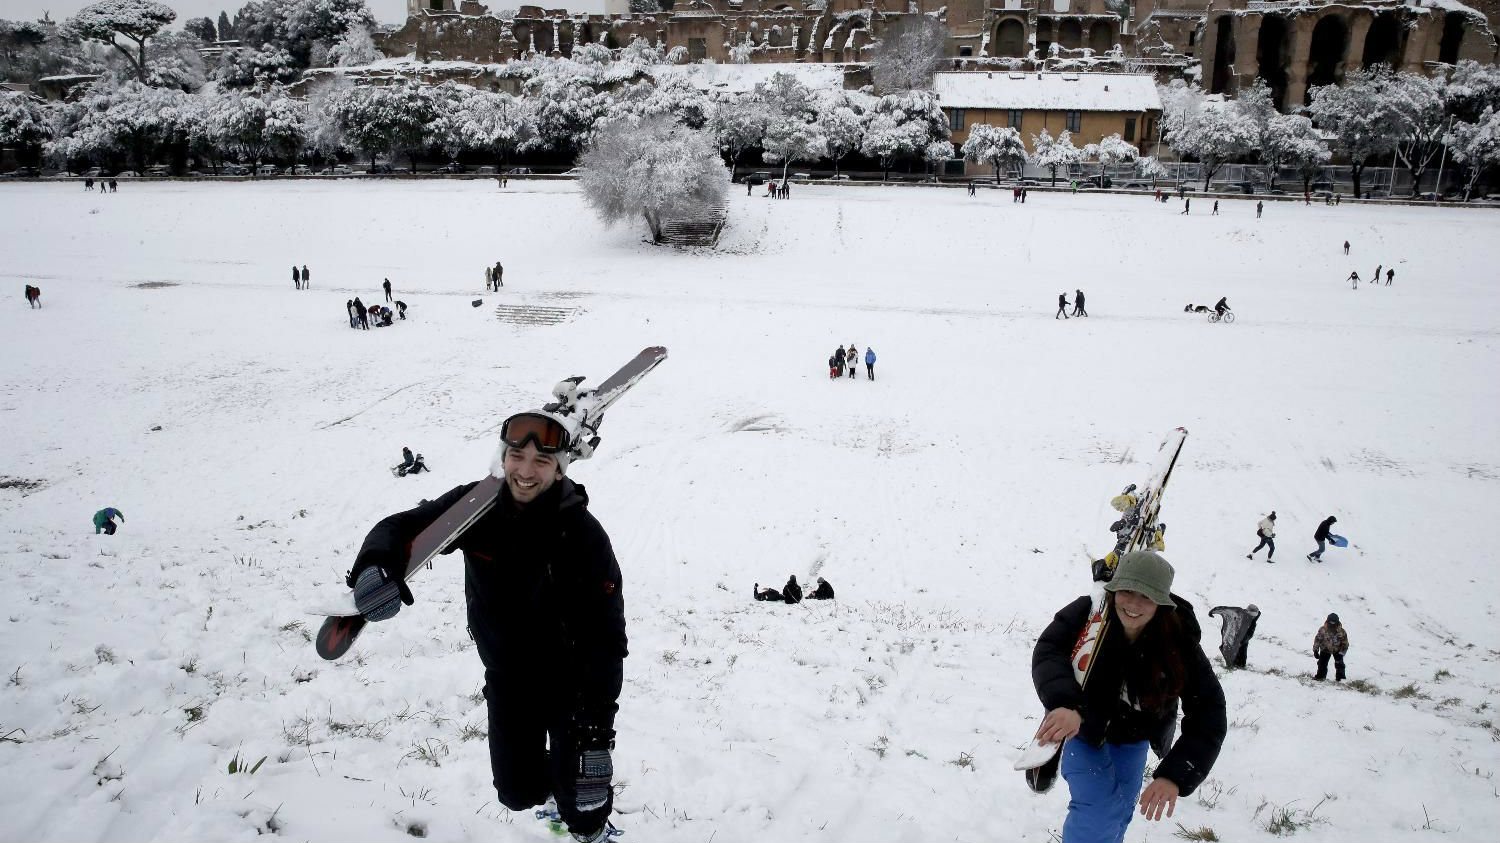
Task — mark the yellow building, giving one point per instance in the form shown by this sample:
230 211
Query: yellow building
1091 106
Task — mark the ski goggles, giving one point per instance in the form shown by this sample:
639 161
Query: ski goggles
547 433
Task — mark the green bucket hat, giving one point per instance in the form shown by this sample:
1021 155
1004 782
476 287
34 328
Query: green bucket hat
1146 572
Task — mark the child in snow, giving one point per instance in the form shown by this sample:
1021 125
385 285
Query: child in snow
1331 641
104 520
768 595
1148 662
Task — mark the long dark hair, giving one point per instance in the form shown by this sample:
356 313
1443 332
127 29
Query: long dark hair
1160 646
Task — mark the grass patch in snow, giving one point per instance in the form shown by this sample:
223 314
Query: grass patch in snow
1203 833
1363 686
1408 691
1284 820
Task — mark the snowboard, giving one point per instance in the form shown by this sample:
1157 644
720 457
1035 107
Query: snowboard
1337 540
584 408
1136 529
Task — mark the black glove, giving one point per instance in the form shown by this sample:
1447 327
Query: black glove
595 770
379 582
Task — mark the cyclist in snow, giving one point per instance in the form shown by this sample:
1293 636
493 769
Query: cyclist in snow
543 591
1148 661
1222 306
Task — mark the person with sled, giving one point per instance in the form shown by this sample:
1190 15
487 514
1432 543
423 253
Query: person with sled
1330 642
1321 535
791 591
104 520
770 595
544 592
1266 531
1236 631
824 591
406 461
1148 661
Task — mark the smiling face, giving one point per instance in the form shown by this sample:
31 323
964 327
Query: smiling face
1134 610
529 473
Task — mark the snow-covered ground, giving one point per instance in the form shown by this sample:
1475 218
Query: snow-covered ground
246 432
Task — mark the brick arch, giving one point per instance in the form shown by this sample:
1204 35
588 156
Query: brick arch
1327 51
1009 39
1272 55
1070 33
1102 38
1385 41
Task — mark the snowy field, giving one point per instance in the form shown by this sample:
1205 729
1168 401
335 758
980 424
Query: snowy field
246 432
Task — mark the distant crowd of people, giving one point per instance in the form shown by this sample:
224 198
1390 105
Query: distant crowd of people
792 592
841 361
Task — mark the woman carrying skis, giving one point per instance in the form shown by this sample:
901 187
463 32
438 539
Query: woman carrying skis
1148 661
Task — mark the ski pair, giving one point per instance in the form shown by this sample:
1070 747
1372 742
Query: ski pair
1137 529
583 407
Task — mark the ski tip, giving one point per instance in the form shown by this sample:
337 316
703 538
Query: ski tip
337 635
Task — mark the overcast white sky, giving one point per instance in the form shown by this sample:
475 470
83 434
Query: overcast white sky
386 11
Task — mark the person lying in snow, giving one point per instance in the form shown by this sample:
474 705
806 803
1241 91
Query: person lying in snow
767 594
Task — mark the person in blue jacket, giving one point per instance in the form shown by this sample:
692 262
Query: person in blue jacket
870 362
104 520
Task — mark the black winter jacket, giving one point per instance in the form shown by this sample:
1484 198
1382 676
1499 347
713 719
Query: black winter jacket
1324 529
1106 717
792 592
824 591
543 589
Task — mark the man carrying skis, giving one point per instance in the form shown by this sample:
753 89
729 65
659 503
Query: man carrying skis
1266 530
543 591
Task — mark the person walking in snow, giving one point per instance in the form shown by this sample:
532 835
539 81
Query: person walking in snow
499 276
1062 306
824 591
851 357
869 363
104 520
1320 536
1148 662
971 187
1331 641
1238 625
296 278
489 279
833 367
306 278
33 297
1216 209
1346 247
1259 206
1266 532
1187 206
544 592
1354 280
387 286
1390 275
1375 279
364 318
353 317
791 591
1078 304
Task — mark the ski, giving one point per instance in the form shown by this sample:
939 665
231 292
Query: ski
582 407
1136 529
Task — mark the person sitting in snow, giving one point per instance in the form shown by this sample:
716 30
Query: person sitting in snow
104 520
406 460
417 466
791 591
767 594
824 591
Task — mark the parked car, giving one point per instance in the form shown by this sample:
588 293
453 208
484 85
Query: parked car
24 173
269 170
337 170
300 170
575 172
839 177
127 174
452 167
485 170
760 177
235 170
519 171
1098 181
380 170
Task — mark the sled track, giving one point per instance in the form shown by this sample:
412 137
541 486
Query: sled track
533 314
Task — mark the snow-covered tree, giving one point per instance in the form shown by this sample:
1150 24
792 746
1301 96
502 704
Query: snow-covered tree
224 27
641 52
909 53
24 126
842 129
262 126
902 125
1000 147
1053 154
653 169
1359 115
174 62
1476 145
936 155
792 140
242 67
1210 131
354 48
134 20
130 121
1111 151
390 119
673 96
1416 101
1150 168
1471 88
1289 140
567 106
742 52
201 28
739 123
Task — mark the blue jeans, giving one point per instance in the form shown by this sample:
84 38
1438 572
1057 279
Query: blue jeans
1103 785
1322 545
